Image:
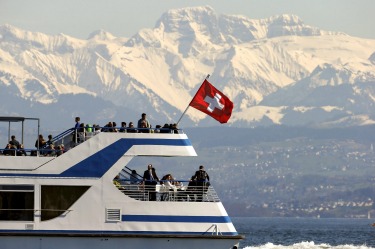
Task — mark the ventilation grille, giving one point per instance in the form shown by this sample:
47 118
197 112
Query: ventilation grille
113 214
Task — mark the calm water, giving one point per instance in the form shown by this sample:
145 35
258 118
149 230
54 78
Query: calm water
306 233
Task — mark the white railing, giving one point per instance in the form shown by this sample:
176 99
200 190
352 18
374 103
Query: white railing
185 194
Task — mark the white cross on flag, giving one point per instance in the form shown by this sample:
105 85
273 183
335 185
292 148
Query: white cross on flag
212 102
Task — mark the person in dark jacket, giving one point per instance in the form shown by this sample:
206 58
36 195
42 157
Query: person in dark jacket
202 181
150 179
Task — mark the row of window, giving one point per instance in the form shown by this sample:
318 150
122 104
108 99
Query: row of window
17 202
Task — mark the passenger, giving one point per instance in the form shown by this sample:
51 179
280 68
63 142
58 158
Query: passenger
81 133
97 129
143 128
179 185
21 151
49 141
169 182
89 131
157 129
202 182
77 120
150 180
114 125
14 141
9 150
60 150
88 128
134 177
105 128
50 150
75 132
108 127
180 195
40 142
191 189
164 188
143 118
174 128
165 129
131 128
123 127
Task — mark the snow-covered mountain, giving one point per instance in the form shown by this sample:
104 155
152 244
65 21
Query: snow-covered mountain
276 70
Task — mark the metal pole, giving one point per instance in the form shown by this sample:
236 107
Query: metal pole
183 114
8 132
22 133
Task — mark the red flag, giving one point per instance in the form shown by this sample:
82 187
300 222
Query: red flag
212 102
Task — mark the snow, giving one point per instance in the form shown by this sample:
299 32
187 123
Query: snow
277 61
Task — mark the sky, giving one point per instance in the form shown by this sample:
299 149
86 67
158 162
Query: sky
124 18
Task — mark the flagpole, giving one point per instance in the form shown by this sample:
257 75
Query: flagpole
208 76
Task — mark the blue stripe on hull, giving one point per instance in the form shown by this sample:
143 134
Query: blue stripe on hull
100 162
91 232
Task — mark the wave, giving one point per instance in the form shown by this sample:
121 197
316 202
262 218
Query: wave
307 245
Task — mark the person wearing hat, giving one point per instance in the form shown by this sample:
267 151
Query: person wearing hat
202 181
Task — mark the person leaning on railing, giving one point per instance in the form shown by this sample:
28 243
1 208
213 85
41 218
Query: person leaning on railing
202 182
9 150
21 151
131 128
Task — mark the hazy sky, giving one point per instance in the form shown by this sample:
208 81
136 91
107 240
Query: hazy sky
123 18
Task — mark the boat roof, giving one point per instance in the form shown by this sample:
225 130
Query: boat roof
15 119
11 119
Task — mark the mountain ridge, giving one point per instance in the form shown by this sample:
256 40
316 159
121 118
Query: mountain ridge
257 63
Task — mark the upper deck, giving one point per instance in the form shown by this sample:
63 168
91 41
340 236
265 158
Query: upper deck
82 156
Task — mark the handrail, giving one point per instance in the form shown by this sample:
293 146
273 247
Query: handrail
61 135
141 192
215 230
70 142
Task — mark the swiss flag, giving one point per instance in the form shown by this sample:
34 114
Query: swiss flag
212 102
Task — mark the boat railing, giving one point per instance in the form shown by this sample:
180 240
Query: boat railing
29 152
142 192
65 138
74 136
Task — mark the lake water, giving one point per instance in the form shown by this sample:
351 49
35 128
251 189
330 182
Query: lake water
305 233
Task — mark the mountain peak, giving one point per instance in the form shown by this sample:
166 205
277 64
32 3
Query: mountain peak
101 35
286 19
186 19
285 25
8 31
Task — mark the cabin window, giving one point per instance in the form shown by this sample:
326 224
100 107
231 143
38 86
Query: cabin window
56 200
17 202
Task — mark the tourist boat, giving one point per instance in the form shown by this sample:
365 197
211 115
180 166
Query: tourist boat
71 201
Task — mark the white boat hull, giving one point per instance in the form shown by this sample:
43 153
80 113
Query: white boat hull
118 242
71 201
